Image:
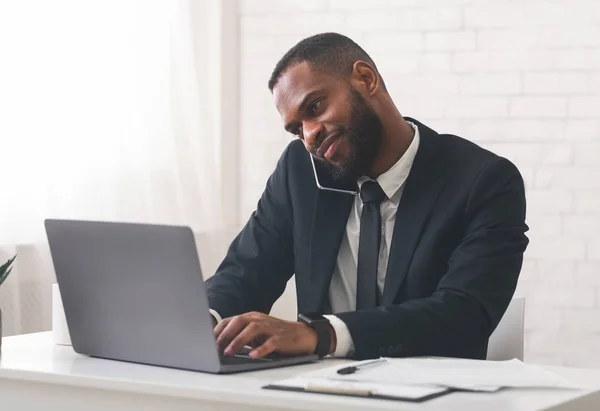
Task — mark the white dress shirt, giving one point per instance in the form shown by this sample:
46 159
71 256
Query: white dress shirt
342 289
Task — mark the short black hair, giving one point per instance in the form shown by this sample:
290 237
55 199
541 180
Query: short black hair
330 51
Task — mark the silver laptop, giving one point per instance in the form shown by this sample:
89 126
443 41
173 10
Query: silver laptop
134 292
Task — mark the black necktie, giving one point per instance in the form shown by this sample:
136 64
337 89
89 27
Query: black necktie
371 195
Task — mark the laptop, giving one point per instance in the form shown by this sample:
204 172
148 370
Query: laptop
135 293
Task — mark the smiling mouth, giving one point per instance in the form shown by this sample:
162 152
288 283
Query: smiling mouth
326 144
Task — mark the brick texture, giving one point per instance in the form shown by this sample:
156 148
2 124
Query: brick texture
521 78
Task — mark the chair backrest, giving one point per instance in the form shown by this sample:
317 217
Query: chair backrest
506 342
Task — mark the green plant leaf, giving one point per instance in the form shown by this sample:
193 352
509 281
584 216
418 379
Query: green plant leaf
5 269
5 276
6 265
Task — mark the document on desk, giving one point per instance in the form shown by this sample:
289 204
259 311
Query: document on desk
475 375
376 390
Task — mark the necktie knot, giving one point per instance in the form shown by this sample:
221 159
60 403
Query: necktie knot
371 192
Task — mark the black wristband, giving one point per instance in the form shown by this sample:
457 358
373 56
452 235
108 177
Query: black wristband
322 327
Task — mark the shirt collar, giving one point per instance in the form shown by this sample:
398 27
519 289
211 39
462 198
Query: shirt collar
394 178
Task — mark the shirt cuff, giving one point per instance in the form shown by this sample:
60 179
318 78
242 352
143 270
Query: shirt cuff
216 315
344 346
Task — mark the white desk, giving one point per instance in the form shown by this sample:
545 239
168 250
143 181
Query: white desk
37 375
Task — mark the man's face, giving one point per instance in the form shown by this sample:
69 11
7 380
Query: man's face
331 117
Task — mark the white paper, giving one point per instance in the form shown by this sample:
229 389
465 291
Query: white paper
326 385
454 373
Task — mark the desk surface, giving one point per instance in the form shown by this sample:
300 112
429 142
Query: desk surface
34 358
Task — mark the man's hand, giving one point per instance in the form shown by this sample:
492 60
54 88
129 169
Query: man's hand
265 334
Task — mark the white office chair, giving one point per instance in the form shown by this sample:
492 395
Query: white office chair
506 342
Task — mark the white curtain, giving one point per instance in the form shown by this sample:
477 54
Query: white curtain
105 114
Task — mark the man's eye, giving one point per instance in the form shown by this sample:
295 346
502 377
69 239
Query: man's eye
314 107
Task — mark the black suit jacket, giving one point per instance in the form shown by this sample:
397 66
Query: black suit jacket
456 252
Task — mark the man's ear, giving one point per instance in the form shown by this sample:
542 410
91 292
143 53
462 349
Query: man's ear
365 77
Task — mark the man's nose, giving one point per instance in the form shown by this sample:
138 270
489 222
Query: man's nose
311 133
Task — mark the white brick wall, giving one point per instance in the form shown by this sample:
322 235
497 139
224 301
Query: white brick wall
521 78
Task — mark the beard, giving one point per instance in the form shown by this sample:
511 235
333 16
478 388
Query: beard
364 136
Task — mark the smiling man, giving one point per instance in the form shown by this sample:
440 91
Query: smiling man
403 241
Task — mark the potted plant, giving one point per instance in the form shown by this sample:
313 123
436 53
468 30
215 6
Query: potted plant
5 270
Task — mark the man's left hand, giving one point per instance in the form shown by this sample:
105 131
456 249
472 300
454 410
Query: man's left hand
265 334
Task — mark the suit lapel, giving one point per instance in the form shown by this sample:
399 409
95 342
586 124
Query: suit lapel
329 224
422 187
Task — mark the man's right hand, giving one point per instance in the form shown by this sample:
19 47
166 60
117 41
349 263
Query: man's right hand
265 334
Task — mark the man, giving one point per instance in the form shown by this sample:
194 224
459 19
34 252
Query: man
411 241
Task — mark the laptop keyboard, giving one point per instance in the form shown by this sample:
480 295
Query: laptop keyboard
243 358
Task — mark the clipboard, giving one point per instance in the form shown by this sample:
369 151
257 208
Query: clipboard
393 392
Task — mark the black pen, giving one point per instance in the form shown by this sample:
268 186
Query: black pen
352 369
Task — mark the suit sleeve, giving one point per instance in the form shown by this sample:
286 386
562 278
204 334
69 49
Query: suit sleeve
459 317
260 260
